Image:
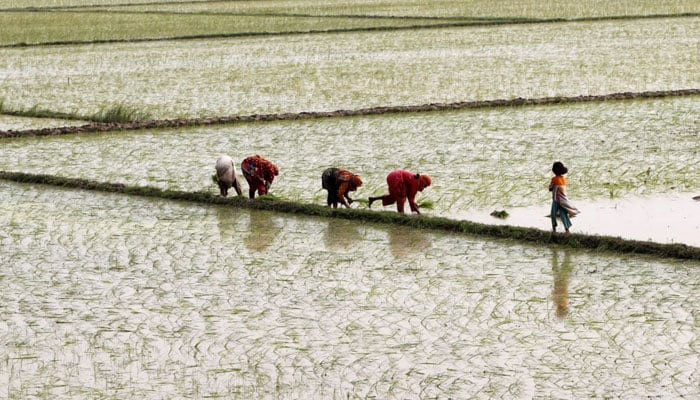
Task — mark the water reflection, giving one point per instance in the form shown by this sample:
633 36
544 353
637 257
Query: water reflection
262 231
562 273
341 234
226 219
407 241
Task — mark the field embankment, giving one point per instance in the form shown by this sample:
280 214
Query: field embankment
602 243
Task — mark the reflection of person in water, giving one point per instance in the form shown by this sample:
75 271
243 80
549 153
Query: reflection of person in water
341 234
562 274
405 241
228 220
263 231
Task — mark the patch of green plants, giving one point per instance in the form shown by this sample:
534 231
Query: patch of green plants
502 214
120 113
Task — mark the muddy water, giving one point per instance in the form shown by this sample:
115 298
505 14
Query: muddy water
9 122
117 297
356 70
664 218
479 160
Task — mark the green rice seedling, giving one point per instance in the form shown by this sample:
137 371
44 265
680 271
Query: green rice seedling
120 113
427 204
502 214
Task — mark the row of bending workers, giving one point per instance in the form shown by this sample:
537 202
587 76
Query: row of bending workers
403 185
257 170
260 172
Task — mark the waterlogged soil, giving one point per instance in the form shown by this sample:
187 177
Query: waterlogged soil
114 296
479 159
355 70
9 122
663 218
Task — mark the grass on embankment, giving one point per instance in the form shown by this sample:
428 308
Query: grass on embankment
106 114
530 235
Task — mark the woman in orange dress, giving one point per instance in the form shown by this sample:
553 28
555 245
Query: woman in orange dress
259 172
403 185
339 182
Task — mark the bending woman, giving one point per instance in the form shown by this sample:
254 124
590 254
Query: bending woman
403 185
259 172
226 176
339 182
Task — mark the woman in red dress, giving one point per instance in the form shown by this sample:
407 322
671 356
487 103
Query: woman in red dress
403 185
259 172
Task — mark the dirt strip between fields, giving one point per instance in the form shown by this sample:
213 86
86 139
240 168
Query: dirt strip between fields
523 234
432 107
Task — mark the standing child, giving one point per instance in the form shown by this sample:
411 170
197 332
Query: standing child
561 205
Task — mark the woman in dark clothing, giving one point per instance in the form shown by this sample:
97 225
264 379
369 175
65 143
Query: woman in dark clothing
339 182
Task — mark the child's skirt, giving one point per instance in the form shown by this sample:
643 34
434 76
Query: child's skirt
559 211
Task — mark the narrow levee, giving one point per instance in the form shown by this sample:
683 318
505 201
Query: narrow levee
600 243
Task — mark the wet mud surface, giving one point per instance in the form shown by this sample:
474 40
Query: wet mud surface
662 218
111 296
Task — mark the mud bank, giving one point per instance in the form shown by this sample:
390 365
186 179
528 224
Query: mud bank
532 235
185 122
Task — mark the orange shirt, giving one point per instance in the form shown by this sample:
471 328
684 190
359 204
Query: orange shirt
558 181
345 179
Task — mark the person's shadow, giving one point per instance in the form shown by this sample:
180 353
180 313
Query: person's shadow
561 273
341 234
405 241
263 231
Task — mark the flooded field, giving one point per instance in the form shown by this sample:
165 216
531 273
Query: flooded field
32 27
9 122
439 8
355 70
116 297
478 159
663 218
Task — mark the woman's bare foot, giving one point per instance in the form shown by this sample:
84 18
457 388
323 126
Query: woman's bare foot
370 201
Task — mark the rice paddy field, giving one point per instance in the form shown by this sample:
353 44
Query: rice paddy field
355 70
113 296
10 122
